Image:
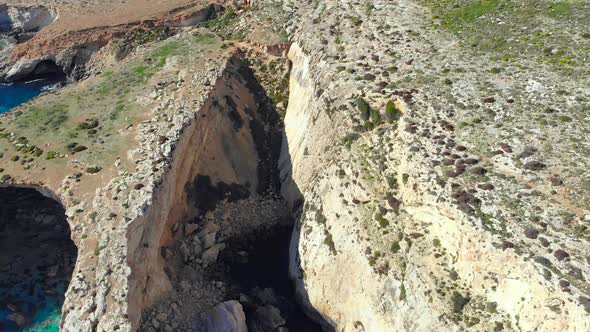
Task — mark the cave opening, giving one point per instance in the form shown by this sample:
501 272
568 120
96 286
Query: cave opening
37 257
47 70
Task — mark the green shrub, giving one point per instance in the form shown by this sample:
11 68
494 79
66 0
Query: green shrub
395 247
14 158
349 139
364 108
51 154
93 169
375 117
382 221
391 112
330 242
402 293
88 124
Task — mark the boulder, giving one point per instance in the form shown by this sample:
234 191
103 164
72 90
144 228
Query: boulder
208 228
190 229
210 255
226 317
267 318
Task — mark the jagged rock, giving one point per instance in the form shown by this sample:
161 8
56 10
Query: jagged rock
207 229
266 318
210 255
21 70
190 229
209 240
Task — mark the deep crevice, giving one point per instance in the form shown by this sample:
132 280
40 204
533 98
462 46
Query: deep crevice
247 230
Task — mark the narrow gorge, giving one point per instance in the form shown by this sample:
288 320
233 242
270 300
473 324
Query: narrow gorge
406 165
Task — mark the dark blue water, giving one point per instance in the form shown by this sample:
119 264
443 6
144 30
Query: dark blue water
17 93
37 257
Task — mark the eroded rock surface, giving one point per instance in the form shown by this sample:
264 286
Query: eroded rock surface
405 132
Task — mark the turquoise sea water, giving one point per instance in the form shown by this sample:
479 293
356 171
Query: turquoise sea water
45 320
43 310
17 93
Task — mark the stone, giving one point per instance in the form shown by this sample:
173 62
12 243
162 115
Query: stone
208 228
184 251
527 152
266 318
267 296
486 186
209 240
226 317
477 170
534 165
555 181
190 229
531 233
210 255
167 253
560 254
506 148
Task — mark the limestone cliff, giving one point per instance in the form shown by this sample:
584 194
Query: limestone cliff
412 217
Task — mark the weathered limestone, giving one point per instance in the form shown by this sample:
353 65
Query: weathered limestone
390 237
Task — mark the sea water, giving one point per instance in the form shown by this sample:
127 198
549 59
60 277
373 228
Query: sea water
14 94
45 318
43 309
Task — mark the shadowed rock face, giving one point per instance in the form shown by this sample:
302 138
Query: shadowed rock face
37 258
25 19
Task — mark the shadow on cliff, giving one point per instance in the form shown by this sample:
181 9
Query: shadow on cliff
275 175
275 168
295 199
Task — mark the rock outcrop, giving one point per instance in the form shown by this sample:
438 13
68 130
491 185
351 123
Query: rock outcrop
25 19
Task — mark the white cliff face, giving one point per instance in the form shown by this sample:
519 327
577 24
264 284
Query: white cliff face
412 225
329 261
25 19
